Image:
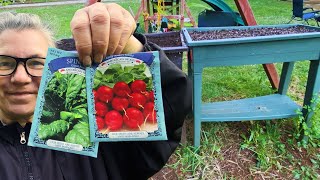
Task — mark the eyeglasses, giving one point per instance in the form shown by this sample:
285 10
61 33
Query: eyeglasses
33 66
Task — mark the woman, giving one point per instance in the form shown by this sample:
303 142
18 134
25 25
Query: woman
98 30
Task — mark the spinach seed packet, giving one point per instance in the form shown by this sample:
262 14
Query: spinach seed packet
125 99
61 120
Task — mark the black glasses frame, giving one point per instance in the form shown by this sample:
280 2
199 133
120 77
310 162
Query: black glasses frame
18 60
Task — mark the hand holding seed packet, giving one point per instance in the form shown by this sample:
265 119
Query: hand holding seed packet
116 100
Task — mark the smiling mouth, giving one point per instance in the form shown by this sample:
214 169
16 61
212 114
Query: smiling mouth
21 97
20 93
25 92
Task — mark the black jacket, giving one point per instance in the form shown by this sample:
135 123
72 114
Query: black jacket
116 160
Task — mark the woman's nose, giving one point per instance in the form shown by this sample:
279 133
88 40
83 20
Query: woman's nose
20 75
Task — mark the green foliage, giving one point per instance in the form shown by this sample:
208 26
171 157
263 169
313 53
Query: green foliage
79 134
116 73
75 91
307 172
66 90
81 110
65 115
264 141
56 128
69 116
199 5
197 163
57 17
5 2
309 128
189 159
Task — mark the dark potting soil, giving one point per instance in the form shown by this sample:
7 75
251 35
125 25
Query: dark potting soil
66 44
171 39
239 33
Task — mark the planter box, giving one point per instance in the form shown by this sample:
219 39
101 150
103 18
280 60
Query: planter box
172 43
285 48
256 50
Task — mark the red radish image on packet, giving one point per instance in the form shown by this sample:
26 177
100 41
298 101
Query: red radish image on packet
125 100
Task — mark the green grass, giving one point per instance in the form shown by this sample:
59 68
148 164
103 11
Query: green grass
264 149
58 17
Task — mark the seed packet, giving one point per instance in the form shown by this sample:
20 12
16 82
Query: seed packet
125 99
61 120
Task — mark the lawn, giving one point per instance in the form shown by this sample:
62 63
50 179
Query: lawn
242 150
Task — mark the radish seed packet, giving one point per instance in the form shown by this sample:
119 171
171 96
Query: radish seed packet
61 120
125 99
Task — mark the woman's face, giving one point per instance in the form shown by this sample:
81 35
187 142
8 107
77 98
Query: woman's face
18 92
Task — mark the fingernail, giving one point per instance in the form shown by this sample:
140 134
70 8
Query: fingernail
87 61
98 58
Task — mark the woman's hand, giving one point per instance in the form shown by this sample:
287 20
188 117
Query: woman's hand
101 29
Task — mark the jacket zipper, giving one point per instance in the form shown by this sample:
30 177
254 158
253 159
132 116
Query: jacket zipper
23 138
26 155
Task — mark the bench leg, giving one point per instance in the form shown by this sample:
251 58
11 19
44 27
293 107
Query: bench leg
190 73
285 77
197 85
189 59
312 90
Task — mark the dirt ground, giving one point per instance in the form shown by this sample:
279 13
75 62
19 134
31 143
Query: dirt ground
235 163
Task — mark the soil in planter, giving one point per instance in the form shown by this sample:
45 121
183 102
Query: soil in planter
66 44
239 33
171 39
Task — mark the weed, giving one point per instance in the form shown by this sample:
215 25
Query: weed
264 141
6 2
310 130
306 173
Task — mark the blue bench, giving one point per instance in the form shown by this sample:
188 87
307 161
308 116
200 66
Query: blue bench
286 49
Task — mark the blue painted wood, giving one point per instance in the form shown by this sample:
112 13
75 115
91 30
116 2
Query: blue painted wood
253 50
285 77
259 108
257 53
197 88
189 63
312 89
191 43
219 5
